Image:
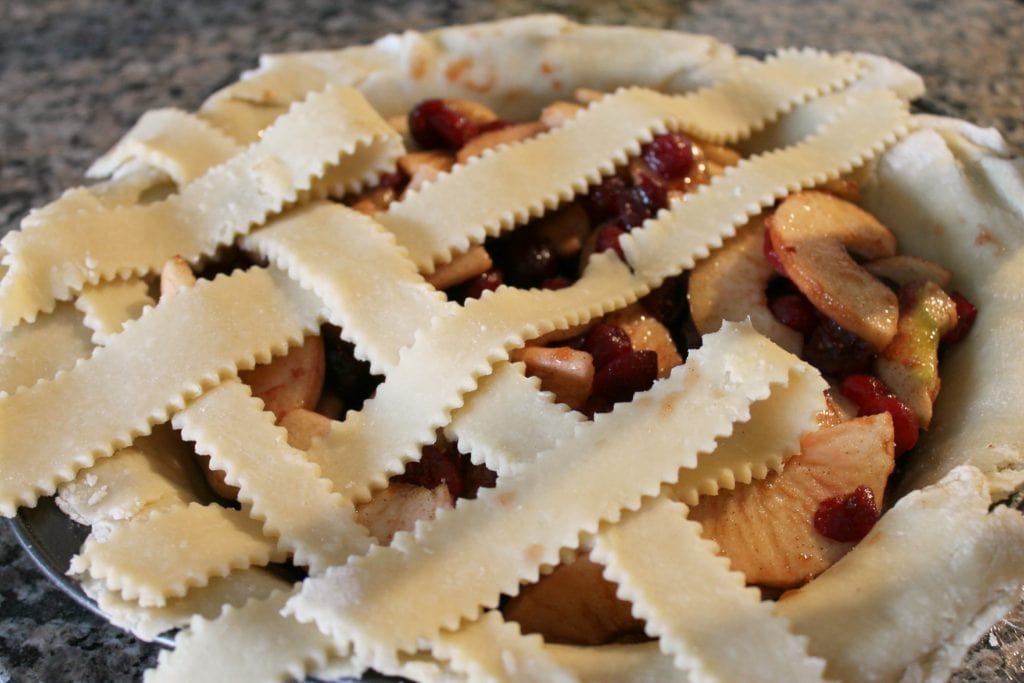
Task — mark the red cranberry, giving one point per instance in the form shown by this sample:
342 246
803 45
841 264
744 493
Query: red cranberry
605 342
835 351
433 123
528 263
653 193
395 180
667 302
872 396
557 282
439 463
670 155
847 518
485 281
795 311
966 312
608 238
496 124
771 256
623 376
604 199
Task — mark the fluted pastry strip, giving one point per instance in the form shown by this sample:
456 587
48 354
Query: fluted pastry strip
150 558
500 189
494 650
51 262
107 305
133 383
313 523
180 144
54 342
716 627
390 598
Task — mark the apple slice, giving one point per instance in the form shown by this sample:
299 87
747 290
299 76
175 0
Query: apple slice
399 506
767 528
573 604
909 366
730 285
291 381
904 270
646 333
813 234
565 372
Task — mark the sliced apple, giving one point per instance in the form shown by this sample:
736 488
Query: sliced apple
730 285
501 136
559 113
565 372
399 507
304 426
573 604
176 274
910 364
425 167
813 234
903 270
766 528
291 381
646 333
461 268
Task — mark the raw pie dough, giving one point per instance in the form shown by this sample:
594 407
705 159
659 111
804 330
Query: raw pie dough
81 336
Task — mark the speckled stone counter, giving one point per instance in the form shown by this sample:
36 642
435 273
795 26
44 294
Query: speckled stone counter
75 74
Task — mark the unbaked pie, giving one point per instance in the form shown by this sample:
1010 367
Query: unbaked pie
476 339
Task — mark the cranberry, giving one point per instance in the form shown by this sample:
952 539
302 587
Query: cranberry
605 199
835 351
621 377
395 180
667 302
557 282
872 396
528 262
966 312
346 375
795 311
496 124
438 463
488 280
433 123
607 237
605 342
847 518
653 193
771 256
670 155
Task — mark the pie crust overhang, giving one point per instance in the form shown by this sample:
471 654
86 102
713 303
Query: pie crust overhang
895 606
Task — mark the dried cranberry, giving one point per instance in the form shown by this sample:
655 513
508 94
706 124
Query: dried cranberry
848 518
966 312
670 155
557 282
872 396
623 376
837 352
607 237
488 280
771 256
433 123
634 210
605 342
439 462
795 311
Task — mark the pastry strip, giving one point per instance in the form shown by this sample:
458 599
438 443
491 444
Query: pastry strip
269 647
151 558
445 362
54 342
491 649
149 622
315 524
52 261
108 305
134 382
391 597
716 627
666 244
341 254
500 189
180 144
872 625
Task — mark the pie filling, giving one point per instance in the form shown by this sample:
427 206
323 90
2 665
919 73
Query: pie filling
453 379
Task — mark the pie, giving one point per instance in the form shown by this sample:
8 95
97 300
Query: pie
512 415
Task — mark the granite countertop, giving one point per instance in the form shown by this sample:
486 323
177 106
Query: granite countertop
75 74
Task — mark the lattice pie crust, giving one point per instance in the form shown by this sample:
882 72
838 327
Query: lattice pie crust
101 385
